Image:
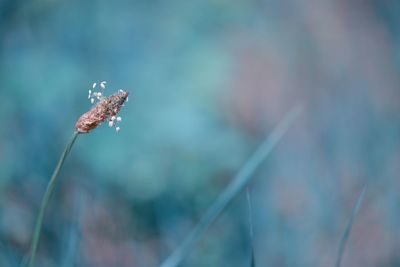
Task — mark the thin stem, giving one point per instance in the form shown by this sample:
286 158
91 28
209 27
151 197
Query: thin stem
349 226
46 198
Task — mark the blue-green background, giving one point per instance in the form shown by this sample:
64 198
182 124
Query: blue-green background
207 81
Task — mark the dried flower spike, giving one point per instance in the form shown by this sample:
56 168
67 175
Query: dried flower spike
106 109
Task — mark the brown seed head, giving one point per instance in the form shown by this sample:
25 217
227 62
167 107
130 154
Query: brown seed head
103 110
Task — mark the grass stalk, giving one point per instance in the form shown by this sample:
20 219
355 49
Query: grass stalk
46 198
346 234
237 184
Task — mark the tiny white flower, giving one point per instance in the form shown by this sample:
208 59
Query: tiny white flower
94 85
103 84
119 119
117 129
111 123
92 100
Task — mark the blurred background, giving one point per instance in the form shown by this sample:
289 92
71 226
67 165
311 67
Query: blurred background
208 80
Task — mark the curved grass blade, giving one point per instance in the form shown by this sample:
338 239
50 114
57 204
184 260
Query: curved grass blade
237 184
46 198
346 234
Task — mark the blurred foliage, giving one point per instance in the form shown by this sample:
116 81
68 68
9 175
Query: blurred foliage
208 79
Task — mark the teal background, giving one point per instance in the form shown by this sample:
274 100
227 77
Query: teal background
207 81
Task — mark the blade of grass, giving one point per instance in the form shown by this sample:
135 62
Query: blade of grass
236 185
46 198
346 234
251 231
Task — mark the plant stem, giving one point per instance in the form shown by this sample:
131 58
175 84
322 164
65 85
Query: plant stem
349 226
46 198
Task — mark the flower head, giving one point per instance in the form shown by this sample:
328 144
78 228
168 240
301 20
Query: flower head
106 109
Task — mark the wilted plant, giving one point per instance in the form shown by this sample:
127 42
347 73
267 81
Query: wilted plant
106 109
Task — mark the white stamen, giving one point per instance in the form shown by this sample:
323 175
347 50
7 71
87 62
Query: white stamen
103 84
119 119
113 118
92 100
94 85
117 129
111 123
127 99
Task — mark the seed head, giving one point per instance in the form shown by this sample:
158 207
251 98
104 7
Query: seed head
105 109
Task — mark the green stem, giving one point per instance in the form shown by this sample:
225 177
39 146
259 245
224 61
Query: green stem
46 198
